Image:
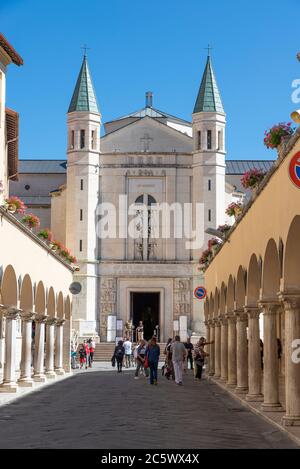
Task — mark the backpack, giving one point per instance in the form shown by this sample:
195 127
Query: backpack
119 353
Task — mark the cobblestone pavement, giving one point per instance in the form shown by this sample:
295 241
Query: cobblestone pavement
100 409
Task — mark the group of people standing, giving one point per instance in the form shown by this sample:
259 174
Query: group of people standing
177 357
86 353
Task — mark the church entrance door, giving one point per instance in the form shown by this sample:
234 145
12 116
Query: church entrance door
145 307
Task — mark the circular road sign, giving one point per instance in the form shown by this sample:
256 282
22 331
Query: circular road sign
75 288
294 169
200 293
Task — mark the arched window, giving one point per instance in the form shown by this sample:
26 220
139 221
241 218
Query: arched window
145 244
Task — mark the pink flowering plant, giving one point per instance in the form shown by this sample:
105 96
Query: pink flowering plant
234 209
15 204
45 234
224 228
251 179
205 258
274 135
31 220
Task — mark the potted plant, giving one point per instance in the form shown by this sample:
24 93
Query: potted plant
277 135
55 245
72 259
31 220
224 228
64 252
214 246
45 234
251 179
234 210
15 205
205 259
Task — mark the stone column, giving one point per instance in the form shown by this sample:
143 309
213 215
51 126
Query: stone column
207 369
254 358
39 350
50 325
292 358
67 345
9 375
232 366
59 348
212 348
224 349
271 382
217 348
242 352
25 376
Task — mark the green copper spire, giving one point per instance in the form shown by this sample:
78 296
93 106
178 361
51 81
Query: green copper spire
208 99
84 97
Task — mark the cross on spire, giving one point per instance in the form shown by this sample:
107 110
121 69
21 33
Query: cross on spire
85 48
208 48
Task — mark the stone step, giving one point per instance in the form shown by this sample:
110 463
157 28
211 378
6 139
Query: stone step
104 351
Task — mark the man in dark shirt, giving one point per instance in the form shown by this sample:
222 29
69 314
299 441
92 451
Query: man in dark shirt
189 349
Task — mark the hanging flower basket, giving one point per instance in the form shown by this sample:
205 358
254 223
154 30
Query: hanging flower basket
274 136
234 210
252 179
15 205
31 220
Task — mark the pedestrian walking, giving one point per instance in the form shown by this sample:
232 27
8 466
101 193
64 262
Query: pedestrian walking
87 351
153 352
118 356
199 359
140 359
128 352
82 355
92 346
189 350
169 370
178 357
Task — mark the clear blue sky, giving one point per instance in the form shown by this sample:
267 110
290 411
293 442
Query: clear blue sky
158 45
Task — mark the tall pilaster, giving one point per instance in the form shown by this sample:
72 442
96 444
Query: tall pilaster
232 351
59 348
212 348
39 348
217 348
242 352
271 380
291 304
224 349
254 359
25 376
9 376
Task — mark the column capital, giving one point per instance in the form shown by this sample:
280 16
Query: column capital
240 315
291 300
27 316
253 312
223 321
60 322
217 322
41 318
51 321
10 312
269 306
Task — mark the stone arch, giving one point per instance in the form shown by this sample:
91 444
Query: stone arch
253 281
211 306
271 272
40 299
223 299
240 292
217 303
68 308
291 266
51 303
230 295
60 305
9 287
26 295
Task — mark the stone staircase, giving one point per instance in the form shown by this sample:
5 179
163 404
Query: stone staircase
104 351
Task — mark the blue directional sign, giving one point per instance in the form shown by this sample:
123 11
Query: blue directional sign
200 293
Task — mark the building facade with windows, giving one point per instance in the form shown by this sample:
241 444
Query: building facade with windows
125 205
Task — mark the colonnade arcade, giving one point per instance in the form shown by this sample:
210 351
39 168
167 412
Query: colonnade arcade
44 348
260 301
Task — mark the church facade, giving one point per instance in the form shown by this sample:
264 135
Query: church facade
133 206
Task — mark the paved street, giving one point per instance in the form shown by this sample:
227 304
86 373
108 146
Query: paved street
101 409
